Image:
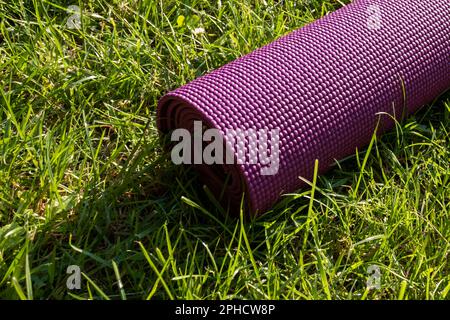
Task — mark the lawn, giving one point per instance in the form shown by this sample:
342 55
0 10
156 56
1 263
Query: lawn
84 180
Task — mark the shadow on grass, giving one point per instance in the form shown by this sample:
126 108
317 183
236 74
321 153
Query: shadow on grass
164 207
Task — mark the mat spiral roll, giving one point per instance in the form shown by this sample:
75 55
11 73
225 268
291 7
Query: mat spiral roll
324 87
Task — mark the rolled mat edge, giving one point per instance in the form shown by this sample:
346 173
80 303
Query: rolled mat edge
328 82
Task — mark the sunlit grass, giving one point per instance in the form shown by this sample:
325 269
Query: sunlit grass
83 179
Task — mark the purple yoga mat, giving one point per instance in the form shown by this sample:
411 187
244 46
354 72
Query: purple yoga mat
324 87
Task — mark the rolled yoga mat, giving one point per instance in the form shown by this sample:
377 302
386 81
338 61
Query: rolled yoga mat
325 87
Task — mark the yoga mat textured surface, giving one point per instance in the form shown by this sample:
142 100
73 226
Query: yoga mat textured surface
323 86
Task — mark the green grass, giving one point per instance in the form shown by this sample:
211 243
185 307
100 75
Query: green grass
83 180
